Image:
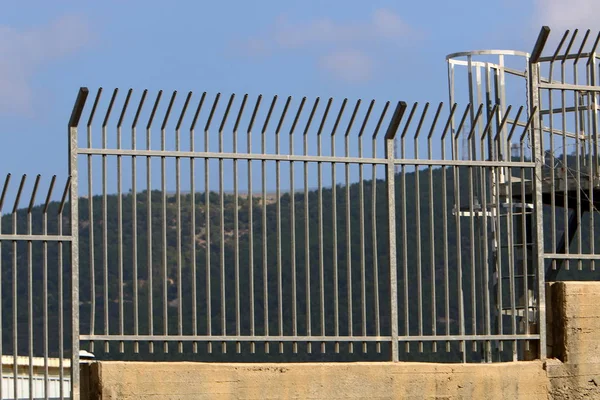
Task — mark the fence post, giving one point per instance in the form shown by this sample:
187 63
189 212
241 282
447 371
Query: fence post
391 201
74 203
538 157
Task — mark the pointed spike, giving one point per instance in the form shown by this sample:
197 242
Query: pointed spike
183 110
49 195
269 113
168 112
366 119
139 109
311 116
381 118
124 110
94 106
154 108
240 113
226 114
110 106
198 109
254 112
212 112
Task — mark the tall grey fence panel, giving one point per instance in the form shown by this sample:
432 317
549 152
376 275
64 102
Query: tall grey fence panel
36 245
566 84
223 224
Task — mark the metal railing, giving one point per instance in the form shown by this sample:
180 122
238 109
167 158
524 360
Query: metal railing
567 86
36 246
194 256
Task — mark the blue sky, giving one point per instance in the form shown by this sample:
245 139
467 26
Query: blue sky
383 50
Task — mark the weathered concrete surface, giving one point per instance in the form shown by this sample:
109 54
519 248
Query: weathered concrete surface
136 380
575 340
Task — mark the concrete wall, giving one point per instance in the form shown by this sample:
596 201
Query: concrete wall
128 381
571 372
574 340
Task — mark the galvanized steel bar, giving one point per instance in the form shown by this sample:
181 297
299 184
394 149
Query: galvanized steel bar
236 227
374 226
336 299
293 229
149 251
348 228
391 199
278 224
307 264
222 227
251 226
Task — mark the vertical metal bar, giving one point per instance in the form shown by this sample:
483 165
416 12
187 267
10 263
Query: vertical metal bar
30 283
391 200
577 104
61 343
45 286
91 241
208 222
511 243
418 227
495 214
149 223
2 197
307 229
320 225
445 225
374 226
293 230
537 154
432 258
404 229
105 219
222 226
348 229
178 222
120 224
459 274
236 228
163 178
361 206
193 223
251 226
472 247
593 129
265 264
278 225
15 286
74 203
564 149
336 299
552 154
134 222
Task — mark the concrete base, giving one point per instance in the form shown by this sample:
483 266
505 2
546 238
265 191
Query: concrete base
128 381
574 329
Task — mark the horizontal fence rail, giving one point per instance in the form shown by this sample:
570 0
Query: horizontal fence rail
35 248
304 225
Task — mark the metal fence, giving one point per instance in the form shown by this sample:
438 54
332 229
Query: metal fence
566 80
36 318
335 241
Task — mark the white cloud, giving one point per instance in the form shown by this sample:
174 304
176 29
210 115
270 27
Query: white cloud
25 52
348 65
342 48
561 15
